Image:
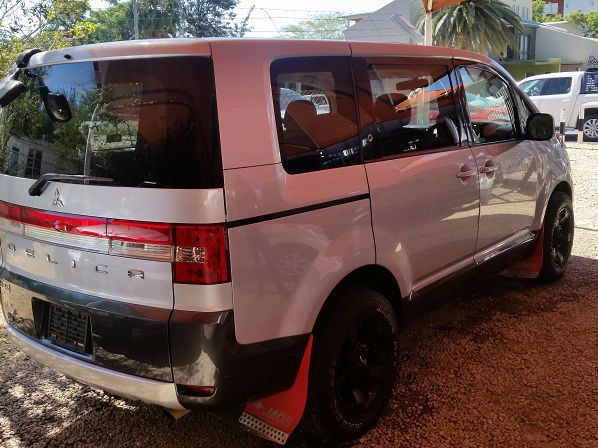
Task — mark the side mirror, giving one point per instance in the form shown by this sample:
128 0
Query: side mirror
540 127
56 105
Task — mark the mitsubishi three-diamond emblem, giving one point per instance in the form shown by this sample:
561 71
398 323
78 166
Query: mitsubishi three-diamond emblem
57 202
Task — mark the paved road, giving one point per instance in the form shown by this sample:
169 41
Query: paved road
511 363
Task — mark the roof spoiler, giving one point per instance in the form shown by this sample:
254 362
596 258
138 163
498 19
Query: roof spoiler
11 87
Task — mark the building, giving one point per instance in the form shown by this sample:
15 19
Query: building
388 24
564 7
541 47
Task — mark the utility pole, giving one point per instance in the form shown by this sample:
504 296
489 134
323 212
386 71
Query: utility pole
428 23
135 20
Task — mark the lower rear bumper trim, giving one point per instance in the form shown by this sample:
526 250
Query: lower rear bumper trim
129 386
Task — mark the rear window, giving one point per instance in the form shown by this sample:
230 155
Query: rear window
142 122
316 114
557 86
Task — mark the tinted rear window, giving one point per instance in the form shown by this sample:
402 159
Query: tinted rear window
142 122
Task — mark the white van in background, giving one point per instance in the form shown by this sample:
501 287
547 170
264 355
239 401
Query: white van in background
570 91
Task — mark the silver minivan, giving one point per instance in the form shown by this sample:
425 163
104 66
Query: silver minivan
183 224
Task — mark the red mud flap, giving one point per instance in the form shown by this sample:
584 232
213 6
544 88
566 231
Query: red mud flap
528 267
275 417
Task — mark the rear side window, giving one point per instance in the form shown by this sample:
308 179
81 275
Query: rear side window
142 123
489 105
557 86
411 108
315 110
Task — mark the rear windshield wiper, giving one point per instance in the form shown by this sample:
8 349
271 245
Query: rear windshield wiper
38 186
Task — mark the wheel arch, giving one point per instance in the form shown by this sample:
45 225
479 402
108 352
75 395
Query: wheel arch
372 276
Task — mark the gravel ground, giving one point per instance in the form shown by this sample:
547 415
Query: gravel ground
513 364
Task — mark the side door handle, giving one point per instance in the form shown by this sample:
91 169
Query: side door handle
488 169
466 173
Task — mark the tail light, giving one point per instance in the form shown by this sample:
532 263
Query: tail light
201 254
198 253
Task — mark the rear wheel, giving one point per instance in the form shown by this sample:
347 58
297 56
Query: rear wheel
559 226
353 365
590 128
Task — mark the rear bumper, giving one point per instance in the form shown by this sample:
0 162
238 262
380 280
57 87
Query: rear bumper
151 354
150 391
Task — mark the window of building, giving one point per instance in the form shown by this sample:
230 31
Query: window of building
489 104
34 164
411 107
13 160
316 114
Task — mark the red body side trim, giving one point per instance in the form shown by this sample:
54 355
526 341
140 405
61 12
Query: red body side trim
530 266
275 417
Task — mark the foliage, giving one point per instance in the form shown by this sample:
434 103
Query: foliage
587 22
319 26
538 13
211 18
485 26
111 24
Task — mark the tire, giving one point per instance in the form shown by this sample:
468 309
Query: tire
590 128
353 365
559 228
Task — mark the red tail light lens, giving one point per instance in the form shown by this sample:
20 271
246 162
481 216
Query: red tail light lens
140 239
198 253
201 254
74 225
10 218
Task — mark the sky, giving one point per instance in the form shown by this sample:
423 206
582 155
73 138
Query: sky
283 12
269 15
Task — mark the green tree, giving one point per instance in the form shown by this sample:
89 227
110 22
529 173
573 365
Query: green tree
111 24
485 26
587 22
319 26
538 13
211 18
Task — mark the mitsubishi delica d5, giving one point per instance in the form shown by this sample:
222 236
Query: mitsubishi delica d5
210 223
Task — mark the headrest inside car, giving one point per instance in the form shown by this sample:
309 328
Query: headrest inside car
412 84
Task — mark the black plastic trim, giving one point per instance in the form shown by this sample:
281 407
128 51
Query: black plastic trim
209 355
296 211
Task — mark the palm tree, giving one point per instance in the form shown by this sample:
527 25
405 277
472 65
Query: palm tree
485 26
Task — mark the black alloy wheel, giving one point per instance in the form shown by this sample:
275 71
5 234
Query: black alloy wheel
353 365
559 229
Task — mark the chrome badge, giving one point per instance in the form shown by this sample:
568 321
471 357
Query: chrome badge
57 202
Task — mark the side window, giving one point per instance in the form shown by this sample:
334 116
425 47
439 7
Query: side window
557 86
534 87
411 108
316 115
489 104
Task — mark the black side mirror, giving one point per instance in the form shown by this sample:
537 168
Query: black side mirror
540 127
56 105
10 89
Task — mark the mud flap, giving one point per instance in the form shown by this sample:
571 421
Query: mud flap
275 417
530 266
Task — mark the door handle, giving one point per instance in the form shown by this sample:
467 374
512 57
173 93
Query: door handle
464 174
488 169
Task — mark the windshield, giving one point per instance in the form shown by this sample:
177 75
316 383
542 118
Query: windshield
142 122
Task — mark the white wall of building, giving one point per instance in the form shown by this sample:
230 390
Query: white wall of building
521 7
574 51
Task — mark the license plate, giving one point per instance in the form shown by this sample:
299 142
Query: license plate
68 328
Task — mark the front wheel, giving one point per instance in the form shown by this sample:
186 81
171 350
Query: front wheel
559 227
353 366
590 128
